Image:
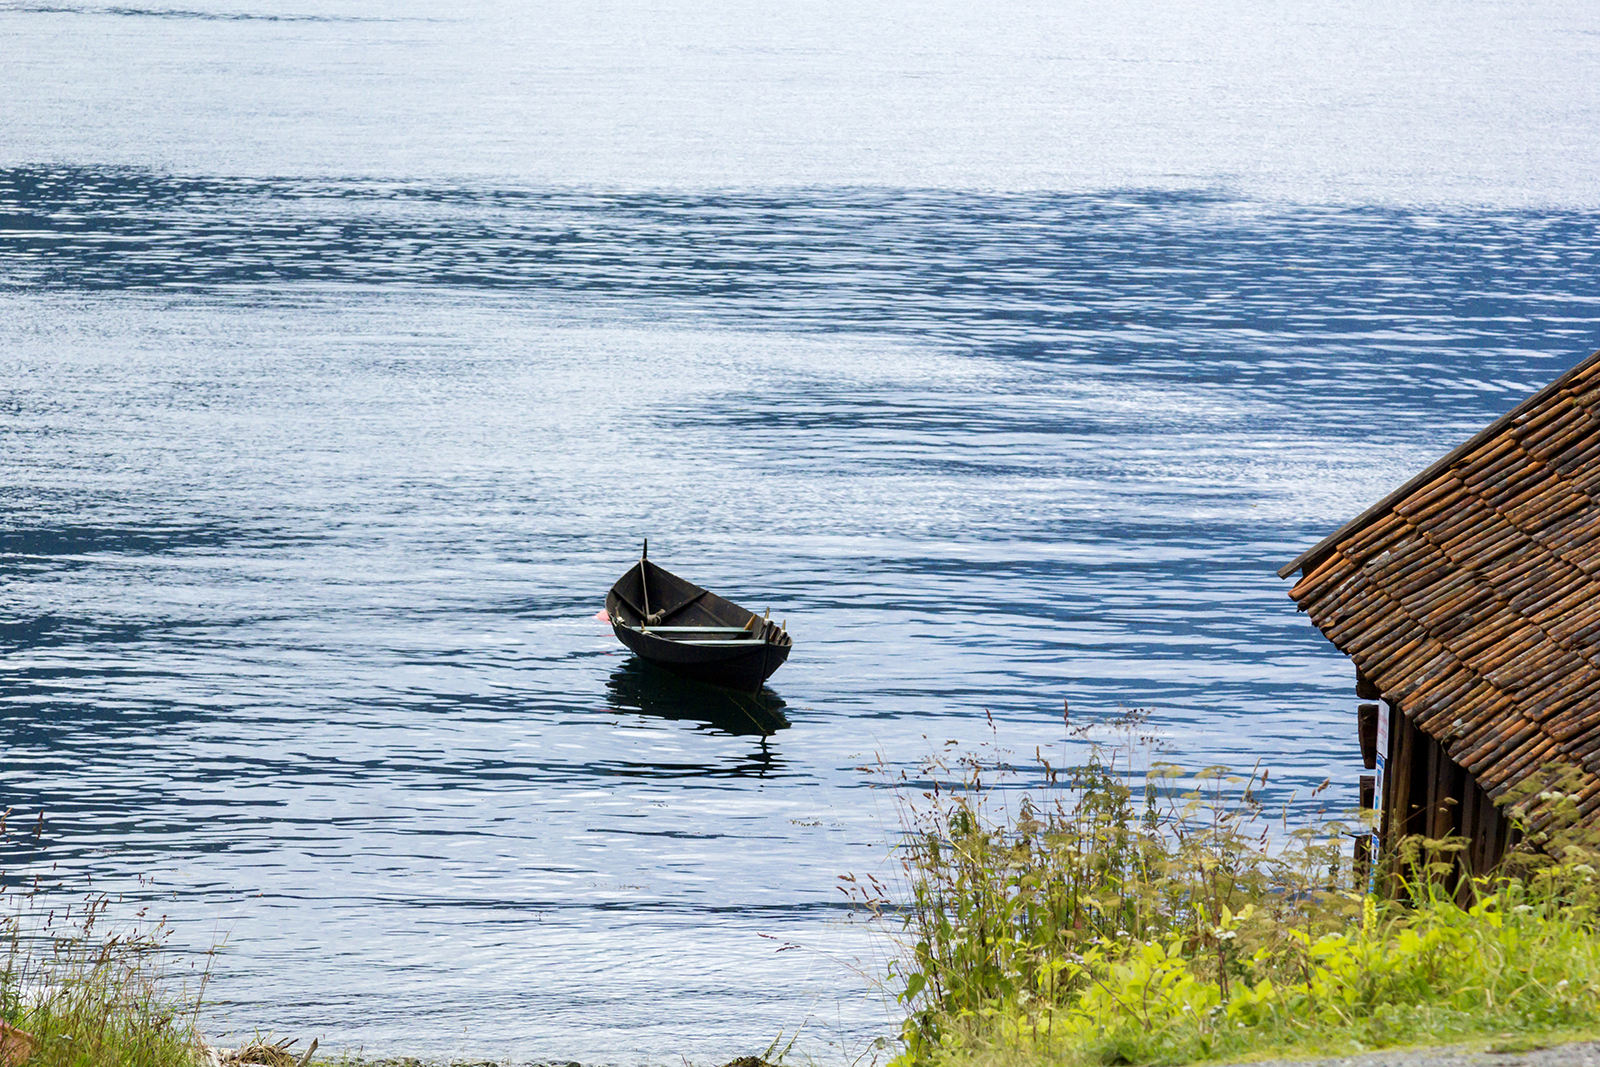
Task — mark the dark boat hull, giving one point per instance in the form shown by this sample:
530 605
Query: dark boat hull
744 669
692 632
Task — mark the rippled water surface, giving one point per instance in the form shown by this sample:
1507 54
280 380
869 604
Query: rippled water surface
314 477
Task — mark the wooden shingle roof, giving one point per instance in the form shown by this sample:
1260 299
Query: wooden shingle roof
1470 596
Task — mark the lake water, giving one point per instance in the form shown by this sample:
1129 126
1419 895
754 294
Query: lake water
349 351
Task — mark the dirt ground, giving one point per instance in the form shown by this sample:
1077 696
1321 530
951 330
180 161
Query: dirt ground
1578 1054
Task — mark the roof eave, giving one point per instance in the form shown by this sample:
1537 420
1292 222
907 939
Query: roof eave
1314 555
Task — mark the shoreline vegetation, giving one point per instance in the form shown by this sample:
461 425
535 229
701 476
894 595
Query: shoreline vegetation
1105 915
1110 915
76 993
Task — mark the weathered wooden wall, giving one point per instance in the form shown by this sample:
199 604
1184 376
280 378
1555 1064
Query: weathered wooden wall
1426 793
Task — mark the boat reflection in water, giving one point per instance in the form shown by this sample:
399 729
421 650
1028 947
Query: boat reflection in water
639 687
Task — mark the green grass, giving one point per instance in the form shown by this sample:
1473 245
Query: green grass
91 994
1096 923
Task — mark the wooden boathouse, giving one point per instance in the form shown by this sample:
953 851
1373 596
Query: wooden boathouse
1469 600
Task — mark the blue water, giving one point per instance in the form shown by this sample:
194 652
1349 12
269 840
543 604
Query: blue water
347 355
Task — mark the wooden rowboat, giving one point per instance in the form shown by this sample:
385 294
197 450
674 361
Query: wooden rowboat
692 632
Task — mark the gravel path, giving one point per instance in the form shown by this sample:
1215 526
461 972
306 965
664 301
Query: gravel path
1577 1054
